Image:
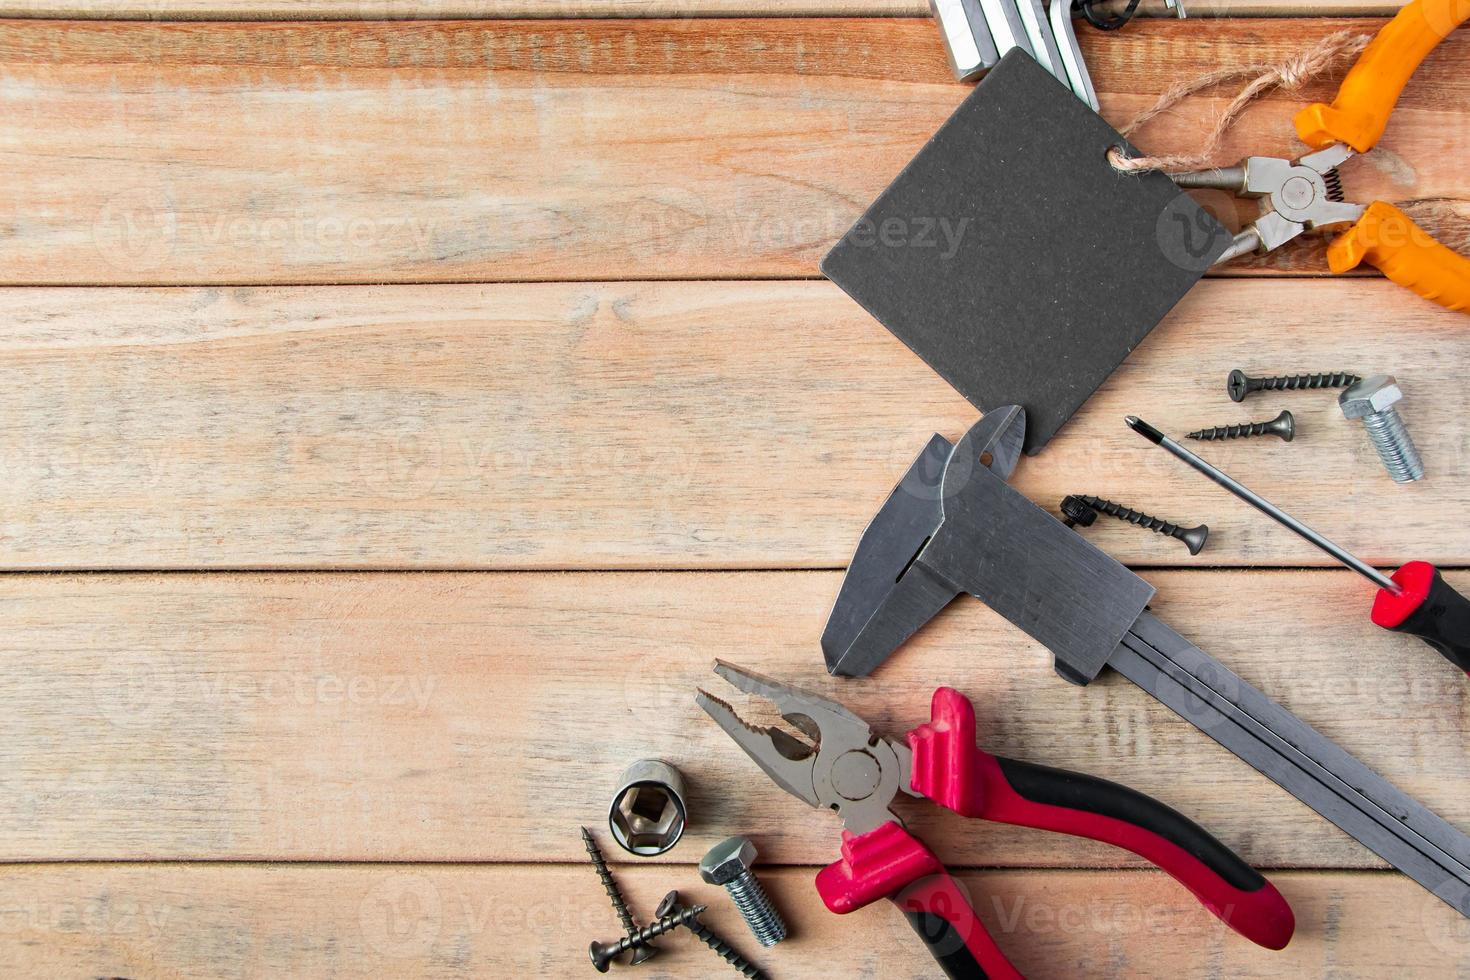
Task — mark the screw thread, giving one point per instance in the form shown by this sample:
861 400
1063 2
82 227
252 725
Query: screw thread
1282 426
1394 445
1132 516
1243 430
1238 385
1239 431
630 925
1290 382
756 909
651 932
725 951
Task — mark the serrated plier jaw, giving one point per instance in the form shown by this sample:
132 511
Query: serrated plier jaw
846 767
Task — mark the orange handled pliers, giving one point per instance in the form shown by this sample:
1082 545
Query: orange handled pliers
1306 193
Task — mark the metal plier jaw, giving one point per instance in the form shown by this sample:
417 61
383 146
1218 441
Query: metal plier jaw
850 769
1296 196
1379 234
847 767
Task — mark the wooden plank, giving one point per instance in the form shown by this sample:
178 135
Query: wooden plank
675 425
557 150
522 921
519 921
474 9
465 717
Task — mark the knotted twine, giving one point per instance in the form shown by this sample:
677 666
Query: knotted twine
1264 76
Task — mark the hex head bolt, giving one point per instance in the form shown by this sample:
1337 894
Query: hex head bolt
1371 401
604 953
641 954
728 864
1238 385
1282 426
1194 538
670 906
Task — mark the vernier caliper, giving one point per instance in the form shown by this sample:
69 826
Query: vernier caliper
953 525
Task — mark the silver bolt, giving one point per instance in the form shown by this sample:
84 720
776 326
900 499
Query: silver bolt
1371 401
728 864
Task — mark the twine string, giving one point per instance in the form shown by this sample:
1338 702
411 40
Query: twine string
1263 77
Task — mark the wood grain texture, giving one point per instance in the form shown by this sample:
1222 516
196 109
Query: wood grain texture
674 425
170 921
473 9
482 717
559 150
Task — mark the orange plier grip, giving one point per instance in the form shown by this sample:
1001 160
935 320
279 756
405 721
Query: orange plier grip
1372 88
1385 237
1389 240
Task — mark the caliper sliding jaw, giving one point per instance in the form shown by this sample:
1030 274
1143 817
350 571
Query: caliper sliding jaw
953 525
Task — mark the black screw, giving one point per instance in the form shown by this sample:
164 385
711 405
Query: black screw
1194 538
604 953
640 953
1283 425
670 906
1075 512
1238 385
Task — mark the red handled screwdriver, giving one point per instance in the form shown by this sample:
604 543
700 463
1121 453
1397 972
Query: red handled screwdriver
1416 600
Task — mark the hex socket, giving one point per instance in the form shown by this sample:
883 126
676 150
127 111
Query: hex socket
647 814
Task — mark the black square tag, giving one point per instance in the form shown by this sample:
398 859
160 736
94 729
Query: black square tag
1014 259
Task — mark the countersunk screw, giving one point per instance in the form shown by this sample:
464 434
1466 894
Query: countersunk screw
641 954
670 906
604 953
1238 385
1372 401
1283 425
1194 538
728 864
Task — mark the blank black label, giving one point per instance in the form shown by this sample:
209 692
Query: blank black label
1014 259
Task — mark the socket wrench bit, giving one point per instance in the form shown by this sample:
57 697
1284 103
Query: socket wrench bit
648 813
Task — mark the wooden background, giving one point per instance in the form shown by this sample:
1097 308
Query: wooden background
400 415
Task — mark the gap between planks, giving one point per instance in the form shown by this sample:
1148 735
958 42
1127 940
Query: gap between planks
444 922
246 10
316 717
562 150
652 426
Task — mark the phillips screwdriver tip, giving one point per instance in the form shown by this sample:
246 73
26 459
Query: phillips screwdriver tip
1144 429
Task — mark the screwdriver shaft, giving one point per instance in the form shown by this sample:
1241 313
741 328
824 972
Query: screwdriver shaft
1264 506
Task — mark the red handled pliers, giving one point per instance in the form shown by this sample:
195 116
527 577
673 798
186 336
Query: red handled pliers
849 768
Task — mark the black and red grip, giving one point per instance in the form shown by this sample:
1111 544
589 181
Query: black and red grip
943 918
1429 609
891 863
952 771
